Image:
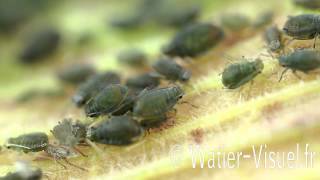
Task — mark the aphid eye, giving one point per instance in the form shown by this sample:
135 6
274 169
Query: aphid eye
180 97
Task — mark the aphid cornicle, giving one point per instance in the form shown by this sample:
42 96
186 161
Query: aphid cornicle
76 73
310 4
235 75
132 57
119 130
171 70
39 45
303 27
151 106
93 85
194 40
32 142
142 81
301 60
272 36
107 100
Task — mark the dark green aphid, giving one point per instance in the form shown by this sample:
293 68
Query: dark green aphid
140 82
194 40
126 106
235 22
171 70
303 27
76 73
273 37
69 133
151 106
39 45
93 86
127 22
263 19
301 60
107 100
39 93
24 172
119 130
238 74
133 57
32 142
309 4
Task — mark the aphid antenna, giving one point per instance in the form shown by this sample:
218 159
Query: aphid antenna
283 72
71 164
94 146
79 151
192 105
229 58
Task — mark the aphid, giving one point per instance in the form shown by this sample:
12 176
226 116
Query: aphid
273 36
301 60
310 4
303 27
107 100
235 22
39 93
142 81
39 45
126 106
171 70
76 73
23 172
151 106
263 19
93 85
32 142
238 74
194 40
132 57
119 130
69 133
36 142
127 22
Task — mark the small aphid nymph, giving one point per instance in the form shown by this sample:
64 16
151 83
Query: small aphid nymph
171 70
132 57
238 74
273 37
32 142
76 73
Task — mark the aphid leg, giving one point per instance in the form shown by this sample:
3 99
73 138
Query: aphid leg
315 40
289 42
283 72
186 102
80 152
295 74
71 164
60 163
94 146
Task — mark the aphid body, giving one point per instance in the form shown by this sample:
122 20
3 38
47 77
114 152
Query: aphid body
235 75
272 36
39 45
132 57
32 142
302 60
310 4
107 100
119 130
171 70
143 81
93 85
76 73
151 106
194 40
235 22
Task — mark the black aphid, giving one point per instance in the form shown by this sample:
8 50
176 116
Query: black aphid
303 27
310 4
24 172
35 142
235 75
119 130
301 60
151 106
39 45
194 40
132 57
171 70
108 100
93 86
273 37
76 73
142 81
